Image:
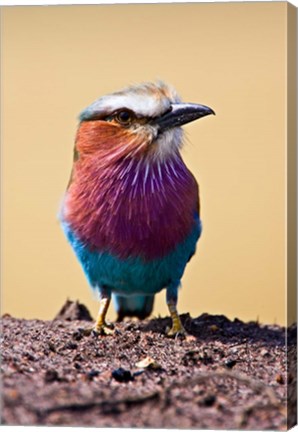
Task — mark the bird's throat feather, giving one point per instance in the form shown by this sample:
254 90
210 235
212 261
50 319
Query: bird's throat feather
122 201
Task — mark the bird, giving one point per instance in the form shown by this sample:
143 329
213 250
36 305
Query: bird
131 210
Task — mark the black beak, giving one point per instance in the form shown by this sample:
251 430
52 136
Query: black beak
180 114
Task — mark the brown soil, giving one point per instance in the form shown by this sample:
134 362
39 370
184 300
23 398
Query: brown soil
224 375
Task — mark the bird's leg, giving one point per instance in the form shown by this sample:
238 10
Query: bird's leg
100 325
172 297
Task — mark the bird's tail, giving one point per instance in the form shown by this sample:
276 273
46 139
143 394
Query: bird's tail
139 306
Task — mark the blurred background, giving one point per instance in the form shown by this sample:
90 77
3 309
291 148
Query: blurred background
230 56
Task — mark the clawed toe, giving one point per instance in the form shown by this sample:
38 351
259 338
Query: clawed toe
103 330
175 331
98 330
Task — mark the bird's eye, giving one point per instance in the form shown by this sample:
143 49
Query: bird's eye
124 117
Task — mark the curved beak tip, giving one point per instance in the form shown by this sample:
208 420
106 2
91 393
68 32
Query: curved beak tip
204 110
182 113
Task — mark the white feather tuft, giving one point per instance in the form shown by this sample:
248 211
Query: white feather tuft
146 100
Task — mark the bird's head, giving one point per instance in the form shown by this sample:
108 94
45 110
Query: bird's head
140 121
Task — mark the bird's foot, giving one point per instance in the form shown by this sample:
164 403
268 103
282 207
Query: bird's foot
176 330
104 329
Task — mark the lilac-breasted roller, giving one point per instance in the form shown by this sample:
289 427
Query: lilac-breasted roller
131 211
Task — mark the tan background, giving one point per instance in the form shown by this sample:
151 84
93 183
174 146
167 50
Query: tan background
230 56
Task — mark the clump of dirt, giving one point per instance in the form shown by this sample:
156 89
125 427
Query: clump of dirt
72 311
223 375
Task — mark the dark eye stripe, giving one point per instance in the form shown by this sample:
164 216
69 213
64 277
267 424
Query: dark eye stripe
122 115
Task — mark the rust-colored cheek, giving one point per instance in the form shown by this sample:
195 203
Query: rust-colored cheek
105 138
97 135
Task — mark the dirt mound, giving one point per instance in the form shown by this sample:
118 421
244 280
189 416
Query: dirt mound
224 375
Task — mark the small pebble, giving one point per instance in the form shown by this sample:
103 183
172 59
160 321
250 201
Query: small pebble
71 345
264 353
149 363
279 379
137 373
13 394
122 375
190 338
51 346
208 400
230 363
29 356
77 335
206 359
91 374
51 375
